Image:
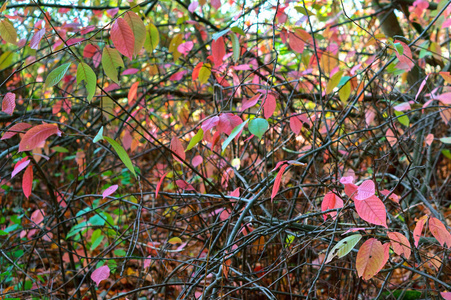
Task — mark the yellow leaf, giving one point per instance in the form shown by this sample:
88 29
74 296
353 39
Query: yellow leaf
175 42
204 73
175 240
345 92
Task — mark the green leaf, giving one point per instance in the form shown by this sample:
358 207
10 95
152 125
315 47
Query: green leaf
7 31
86 74
120 252
77 228
56 75
60 149
238 30
446 153
122 154
402 118
204 73
233 134
235 47
446 140
97 220
99 135
96 239
217 35
258 127
152 38
343 247
111 60
196 139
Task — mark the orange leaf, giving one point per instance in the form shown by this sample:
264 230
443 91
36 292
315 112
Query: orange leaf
418 229
177 147
439 231
132 92
369 258
400 244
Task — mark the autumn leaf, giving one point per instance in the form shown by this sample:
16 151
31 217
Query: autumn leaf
9 103
372 210
440 232
100 274
369 259
37 135
276 186
123 38
177 148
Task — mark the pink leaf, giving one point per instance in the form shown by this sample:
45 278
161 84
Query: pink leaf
296 42
185 48
27 181
269 106
350 190
227 122
110 190
446 295
429 139
157 190
197 160
331 201
439 231
216 4
100 274
418 230
423 83
446 23
210 123
123 38
347 180
235 193
20 165
372 210
15 129
37 135
365 190
276 186
402 107
178 76
37 216
218 51
369 258
147 261
391 138
251 102
130 71
192 7
112 11
9 103
400 244
354 230
395 198
386 256
445 98
177 148
36 39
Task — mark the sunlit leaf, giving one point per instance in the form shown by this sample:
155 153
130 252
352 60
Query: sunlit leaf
343 247
122 154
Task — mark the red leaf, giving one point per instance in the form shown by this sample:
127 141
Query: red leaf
251 102
110 190
227 122
400 244
27 181
419 229
36 39
100 274
218 51
177 147
365 190
184 185
331 201
9 103
157 190
372 210
37 135
269 106
350 190
439 231
132 92
369 259
15 129
37 216
196 70
123 38
20 165
298 39
90 50
276 186
295 124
